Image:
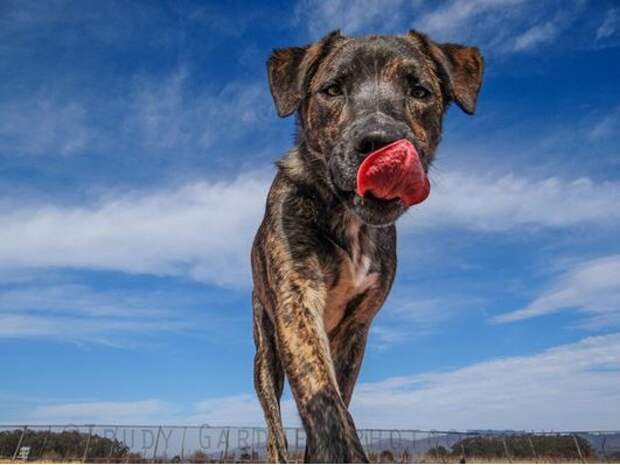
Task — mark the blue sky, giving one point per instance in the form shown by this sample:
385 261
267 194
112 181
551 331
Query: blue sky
137 143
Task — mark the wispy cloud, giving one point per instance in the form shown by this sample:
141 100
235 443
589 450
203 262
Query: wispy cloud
502 26
547 29
48 126
573 386
139 411
609 26
455 18
104 331
549 390
202 230
592 287
484 202
321 16
77 299
166 114
412 312
242 409
63 310
536 35
155 114
606 126
499 26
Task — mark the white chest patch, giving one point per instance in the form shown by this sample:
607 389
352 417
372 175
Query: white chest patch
361 276
354 279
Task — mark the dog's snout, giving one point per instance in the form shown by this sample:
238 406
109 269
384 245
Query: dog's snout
375 140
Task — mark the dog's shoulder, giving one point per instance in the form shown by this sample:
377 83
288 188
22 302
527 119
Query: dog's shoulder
297 195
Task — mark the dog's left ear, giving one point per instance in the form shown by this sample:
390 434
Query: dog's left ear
462 69
289 70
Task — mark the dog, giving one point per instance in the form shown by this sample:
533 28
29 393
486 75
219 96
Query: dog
324 257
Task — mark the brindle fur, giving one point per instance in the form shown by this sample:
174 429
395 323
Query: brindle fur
324 258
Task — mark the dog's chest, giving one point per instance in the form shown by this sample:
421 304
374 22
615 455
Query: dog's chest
354 278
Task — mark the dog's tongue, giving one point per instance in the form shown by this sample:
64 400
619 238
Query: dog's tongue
394 171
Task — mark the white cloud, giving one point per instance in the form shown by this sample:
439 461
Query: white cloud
456 17
592 287
487 202
606 126
536 35
322 16
449 20
547 30
165 114
412 312
202 230
82 330
609 25
498 26
43 126
239 410
43 308
77 299
572 386
568 387
157 114
140 411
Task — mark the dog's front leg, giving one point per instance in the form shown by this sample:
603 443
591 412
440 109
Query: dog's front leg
303 343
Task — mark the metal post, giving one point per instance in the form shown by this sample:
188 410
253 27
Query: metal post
156 444
183 443
112 446
506 448
578 448
529 438
47 435
435 444
90 434
603 442
448 446
226 445
444 457
19 443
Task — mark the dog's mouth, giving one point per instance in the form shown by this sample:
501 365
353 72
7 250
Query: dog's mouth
394 172
369 200
382 184
386 183
372 210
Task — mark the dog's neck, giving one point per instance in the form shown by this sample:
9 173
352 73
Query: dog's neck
345 227
304 167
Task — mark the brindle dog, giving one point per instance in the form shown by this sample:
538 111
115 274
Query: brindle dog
324 258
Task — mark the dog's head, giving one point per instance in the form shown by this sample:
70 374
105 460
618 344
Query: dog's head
355 95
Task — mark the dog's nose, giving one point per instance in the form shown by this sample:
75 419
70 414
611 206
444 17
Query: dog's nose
375 140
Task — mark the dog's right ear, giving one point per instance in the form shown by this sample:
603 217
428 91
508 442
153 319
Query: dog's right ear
290 69
464 68
461 70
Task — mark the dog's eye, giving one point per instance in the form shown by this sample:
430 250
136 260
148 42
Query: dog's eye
419 92
333 91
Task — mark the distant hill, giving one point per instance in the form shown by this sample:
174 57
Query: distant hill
52 446
483 444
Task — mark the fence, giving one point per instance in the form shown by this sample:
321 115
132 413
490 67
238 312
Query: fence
202 444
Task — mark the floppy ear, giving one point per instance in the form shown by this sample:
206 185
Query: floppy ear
462 69
289 70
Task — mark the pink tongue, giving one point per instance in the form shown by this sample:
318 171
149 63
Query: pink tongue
394 172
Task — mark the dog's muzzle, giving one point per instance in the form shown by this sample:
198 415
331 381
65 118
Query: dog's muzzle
359 139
